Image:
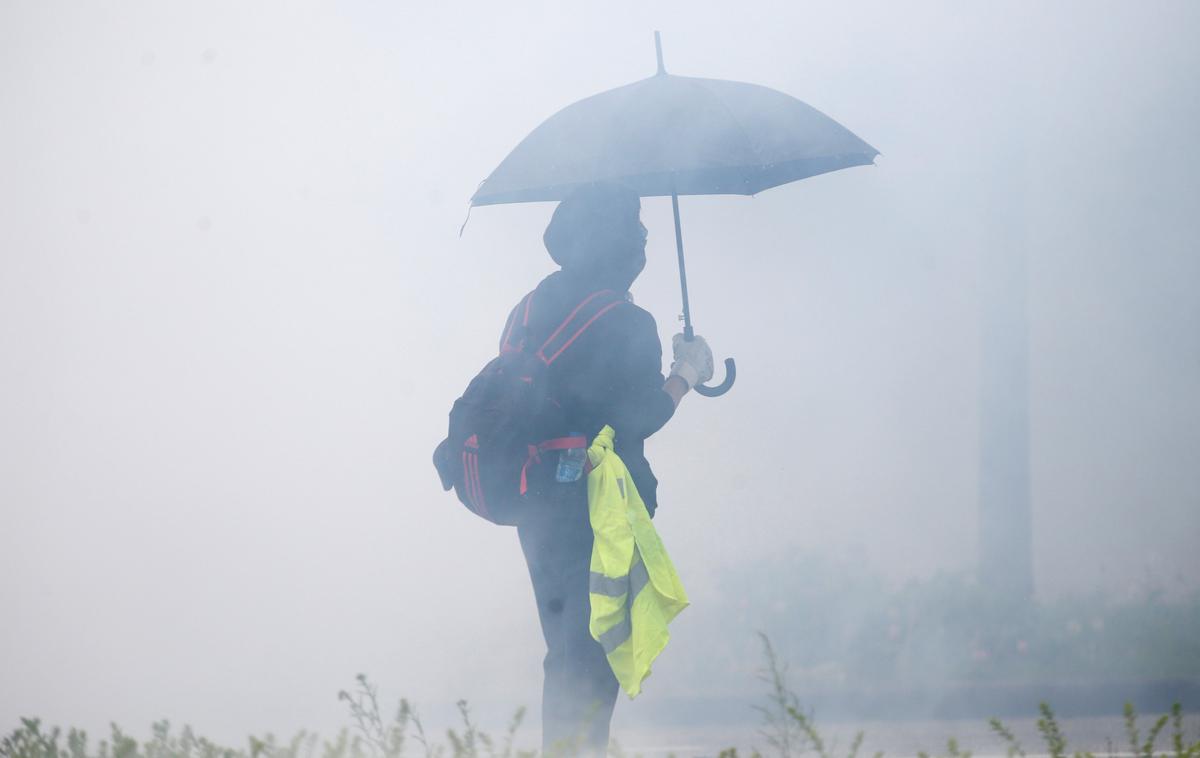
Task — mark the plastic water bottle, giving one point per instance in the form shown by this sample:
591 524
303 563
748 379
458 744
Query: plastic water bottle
570 463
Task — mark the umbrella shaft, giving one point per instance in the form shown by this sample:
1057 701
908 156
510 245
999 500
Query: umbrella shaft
687 312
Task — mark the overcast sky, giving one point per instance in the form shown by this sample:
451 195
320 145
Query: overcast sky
235 309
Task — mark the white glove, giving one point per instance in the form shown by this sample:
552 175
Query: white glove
693 360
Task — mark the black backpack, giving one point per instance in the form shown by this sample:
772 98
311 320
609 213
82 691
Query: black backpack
506 430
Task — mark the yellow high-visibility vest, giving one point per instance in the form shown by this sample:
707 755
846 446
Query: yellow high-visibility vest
633 588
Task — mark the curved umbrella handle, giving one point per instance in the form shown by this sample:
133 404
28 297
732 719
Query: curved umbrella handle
723 387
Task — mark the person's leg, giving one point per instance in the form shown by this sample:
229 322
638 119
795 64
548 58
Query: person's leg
538 543
593 687
579 690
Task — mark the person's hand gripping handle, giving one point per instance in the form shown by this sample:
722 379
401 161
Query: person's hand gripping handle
694 364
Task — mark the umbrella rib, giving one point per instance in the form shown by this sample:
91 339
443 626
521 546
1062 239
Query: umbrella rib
725 107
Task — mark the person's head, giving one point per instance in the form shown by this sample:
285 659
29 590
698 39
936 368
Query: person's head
596 232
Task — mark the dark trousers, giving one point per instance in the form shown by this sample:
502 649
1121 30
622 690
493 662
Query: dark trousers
579 690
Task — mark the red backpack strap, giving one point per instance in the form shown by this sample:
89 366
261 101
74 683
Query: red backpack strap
585 314
517 326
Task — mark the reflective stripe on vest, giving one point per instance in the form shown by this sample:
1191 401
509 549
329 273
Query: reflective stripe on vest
632 583
599 584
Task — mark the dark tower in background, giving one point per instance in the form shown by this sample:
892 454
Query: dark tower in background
1005 509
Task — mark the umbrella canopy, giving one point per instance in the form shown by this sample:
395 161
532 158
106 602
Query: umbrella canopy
676 135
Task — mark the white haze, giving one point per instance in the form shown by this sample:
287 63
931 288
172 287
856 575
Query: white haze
234 310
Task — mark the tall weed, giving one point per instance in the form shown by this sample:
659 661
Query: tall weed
788 729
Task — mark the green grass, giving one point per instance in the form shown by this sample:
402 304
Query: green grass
787 730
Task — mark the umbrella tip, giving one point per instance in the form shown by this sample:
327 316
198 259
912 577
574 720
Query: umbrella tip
658 51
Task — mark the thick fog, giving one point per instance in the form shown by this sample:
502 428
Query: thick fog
235 308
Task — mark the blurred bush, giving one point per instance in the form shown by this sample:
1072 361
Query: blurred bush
840 624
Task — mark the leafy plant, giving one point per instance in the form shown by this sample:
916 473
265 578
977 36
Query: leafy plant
787 729
790 732
780 729
1056 742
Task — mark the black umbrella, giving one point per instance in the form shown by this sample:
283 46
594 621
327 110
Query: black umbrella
676 135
